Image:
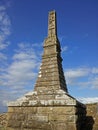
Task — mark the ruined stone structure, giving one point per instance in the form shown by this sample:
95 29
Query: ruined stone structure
92 117
49 106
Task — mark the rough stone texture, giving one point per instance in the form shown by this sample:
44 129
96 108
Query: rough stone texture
91 121
44 118
3 120
49 106
92 116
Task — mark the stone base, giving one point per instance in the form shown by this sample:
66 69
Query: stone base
34 112
42 118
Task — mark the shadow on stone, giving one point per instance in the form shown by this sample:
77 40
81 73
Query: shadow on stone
89 123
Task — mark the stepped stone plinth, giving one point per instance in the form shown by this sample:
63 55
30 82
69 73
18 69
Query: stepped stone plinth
49 106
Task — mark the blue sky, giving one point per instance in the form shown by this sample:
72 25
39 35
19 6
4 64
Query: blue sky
23 28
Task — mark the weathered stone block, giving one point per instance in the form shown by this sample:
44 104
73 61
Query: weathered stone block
40 118
63 126
14 124
45 110
63 110
56 117
66 118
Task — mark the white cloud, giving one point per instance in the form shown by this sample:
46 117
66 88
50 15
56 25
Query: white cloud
25 55
76 73
20 75
95 70
23 68
5 26
2 8
88 100
2 57
64 48
95 83
82 77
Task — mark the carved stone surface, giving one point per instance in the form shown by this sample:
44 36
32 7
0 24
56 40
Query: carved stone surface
49 106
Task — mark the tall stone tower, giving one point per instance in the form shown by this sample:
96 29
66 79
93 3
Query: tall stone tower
49 106
51 77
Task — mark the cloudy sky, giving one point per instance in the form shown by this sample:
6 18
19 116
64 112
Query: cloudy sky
23 28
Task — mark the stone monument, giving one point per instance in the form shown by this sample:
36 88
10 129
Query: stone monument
49 106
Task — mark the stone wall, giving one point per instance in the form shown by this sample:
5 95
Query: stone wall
33 112
92 117
52 118
43 118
